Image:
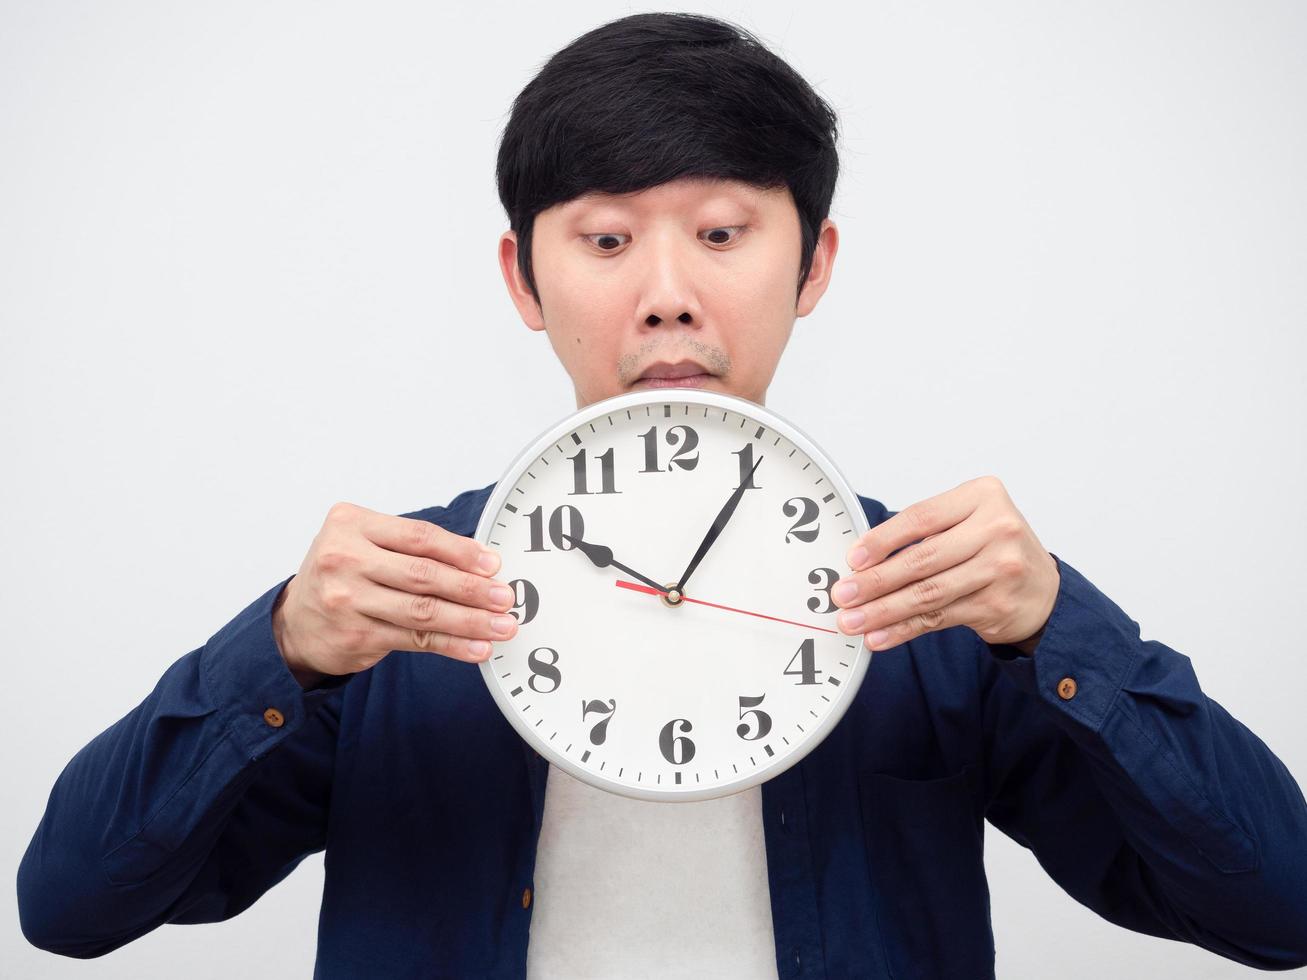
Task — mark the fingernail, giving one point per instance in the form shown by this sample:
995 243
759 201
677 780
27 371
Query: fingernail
845 589
501 594
488 562
857 557
851 619
877 638
503 625
479 648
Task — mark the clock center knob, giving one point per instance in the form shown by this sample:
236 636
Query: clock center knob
673 595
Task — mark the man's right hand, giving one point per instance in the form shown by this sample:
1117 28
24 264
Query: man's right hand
373 583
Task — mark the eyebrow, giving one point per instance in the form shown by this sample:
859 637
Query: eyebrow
590 201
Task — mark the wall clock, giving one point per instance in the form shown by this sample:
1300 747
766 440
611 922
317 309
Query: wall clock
672 553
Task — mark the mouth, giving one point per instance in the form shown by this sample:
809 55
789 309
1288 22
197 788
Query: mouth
681 374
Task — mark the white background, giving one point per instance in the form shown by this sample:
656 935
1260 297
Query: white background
247 269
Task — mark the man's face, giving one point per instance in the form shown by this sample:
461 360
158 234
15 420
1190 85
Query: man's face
691 282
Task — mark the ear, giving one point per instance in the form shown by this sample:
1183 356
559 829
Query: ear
520 293
823 261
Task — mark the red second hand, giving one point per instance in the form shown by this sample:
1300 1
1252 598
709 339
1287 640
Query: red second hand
636 587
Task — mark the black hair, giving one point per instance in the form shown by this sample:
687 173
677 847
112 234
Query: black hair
653 97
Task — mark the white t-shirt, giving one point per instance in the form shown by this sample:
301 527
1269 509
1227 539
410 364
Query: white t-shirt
629 888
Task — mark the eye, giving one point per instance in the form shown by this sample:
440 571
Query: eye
725 228
604 236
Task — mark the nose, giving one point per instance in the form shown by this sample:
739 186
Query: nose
669 288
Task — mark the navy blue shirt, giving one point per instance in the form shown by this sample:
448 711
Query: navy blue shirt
1139 794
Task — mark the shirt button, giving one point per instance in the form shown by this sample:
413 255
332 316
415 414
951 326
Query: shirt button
1066 688
526 897
274 718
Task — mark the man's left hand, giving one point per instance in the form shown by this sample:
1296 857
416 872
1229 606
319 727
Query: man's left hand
977 563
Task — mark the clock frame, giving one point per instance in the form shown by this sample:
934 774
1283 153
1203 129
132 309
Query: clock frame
675 515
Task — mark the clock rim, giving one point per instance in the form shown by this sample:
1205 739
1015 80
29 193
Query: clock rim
534 449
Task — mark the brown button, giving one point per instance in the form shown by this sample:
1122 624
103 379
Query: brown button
1066 688
526 897
274 718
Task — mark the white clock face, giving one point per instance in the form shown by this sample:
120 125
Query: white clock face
624 686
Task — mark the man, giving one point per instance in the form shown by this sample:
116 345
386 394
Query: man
665 178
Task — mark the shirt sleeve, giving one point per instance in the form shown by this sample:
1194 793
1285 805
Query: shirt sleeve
1139 794
190 807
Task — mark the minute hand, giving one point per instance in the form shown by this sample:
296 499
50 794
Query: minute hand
718 526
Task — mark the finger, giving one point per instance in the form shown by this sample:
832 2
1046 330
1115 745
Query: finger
433 614
417 575
915 522
410 536
391 637
920 598
934 555
962 611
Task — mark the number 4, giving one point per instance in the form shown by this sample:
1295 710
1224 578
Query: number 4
808 670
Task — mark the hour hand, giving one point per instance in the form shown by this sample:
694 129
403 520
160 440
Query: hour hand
602 556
